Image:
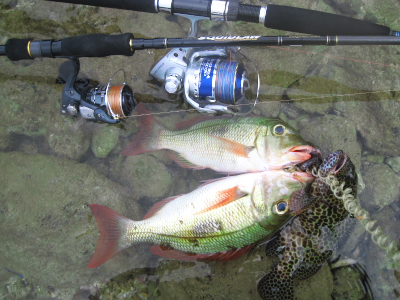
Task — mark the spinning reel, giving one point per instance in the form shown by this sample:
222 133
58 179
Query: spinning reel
211 80
106 103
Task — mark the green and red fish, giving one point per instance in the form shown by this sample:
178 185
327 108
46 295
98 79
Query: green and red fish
219 220
305 244
226 145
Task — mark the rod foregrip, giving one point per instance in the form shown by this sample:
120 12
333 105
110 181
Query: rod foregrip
96 45
135 5
319 23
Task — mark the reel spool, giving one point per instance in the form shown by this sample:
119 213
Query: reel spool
214 80
117 100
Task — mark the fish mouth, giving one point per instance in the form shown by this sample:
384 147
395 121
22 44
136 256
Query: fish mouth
301 153
303 177
342 160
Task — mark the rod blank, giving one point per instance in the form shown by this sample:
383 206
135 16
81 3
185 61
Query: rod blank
101 45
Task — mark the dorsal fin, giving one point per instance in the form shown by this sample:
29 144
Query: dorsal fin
158 206
168 252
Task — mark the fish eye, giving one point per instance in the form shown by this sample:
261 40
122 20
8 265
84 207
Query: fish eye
281 207
279 129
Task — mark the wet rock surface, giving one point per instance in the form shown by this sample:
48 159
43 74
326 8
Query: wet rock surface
53 166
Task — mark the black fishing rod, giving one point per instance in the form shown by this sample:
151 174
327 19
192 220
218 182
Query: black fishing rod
271 16
101 45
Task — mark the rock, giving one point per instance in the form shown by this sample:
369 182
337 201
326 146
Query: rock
383 138
69 137
348 284
104 139
381 186
331 133
145 175
318 286
377 159
394 163
47 231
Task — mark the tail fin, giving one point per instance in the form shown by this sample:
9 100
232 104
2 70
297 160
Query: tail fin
147 138
110 226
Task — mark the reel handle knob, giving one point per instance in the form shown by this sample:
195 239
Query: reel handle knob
173 80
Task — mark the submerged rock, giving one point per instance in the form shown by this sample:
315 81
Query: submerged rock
146 175
381 186
332 132
47 232
104 139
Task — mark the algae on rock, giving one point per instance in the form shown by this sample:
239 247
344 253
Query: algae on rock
104 140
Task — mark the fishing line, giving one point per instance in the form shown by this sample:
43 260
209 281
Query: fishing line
226 94
267 102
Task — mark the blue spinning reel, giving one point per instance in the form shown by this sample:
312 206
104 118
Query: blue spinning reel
211 80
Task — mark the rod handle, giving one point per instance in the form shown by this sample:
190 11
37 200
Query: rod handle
319 23
90 45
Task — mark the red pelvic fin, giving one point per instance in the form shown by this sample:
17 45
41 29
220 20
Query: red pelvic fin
234 147
158 206
218 256
183 162
109 223
225 197
146 139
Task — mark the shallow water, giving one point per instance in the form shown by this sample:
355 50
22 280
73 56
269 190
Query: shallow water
338 98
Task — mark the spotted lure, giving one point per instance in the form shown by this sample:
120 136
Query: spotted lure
304 245
219 220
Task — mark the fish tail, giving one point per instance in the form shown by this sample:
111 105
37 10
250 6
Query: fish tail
148 137
112 230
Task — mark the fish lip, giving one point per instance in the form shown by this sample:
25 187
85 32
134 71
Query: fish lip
306 149
301 153
303 177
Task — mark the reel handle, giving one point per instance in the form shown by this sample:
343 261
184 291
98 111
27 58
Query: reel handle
90 45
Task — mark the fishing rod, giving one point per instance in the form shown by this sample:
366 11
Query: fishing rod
271 16
101 45
211 82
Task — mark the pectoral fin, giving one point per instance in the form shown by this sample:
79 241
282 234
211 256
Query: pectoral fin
234 147
225 197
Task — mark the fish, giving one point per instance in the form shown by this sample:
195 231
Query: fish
309 239
217 221
226 145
